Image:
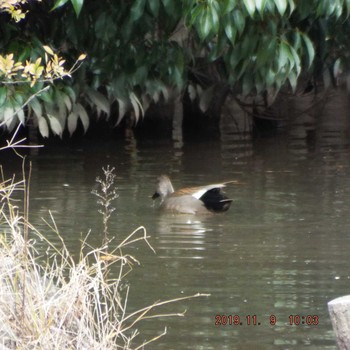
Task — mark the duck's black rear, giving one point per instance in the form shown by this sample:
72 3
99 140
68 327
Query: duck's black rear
215 200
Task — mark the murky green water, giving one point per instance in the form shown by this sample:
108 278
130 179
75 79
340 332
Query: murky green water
281 250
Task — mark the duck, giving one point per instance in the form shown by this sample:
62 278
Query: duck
191 200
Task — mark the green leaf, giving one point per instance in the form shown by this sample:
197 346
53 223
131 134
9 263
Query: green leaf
164 89
347 4
137 10
20 115
205 24
330 7
281 6
98 100
46 96
337 69
77 5
3 95
43 127
279 81
286 55
154 7
105 27
169 6
137 106
266 52
219 47
227 6
25 54
243 65
249 45
67 101
339 10
270 77
72 123
59 101
296 40
10 118
19 100
305 8
260 6
83 116
296 58
196 11
293 80
230 31
8 115
214 20
214 5
239 21
177 74
55 125
235 58
36 106
140 75
291 6
122 109
58 4
71 94
309 47
250 6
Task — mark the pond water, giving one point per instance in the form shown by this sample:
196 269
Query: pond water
281 250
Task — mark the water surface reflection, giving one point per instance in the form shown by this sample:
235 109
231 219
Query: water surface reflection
281 250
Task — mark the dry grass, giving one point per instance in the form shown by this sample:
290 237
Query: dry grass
50 300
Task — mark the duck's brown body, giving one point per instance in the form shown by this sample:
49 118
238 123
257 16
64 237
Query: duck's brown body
191 200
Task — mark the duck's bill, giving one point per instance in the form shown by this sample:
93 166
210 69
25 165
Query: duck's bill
156 195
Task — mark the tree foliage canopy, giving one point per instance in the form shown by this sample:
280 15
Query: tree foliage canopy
138 50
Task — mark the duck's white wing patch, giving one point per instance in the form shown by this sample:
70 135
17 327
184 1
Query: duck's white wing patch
199 191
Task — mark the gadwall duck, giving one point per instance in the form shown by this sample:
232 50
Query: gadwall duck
191 200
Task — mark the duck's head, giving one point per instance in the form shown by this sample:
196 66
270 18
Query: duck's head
164 188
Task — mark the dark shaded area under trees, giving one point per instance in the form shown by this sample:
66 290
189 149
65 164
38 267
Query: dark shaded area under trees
150 59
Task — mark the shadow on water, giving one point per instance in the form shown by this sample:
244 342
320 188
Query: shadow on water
281 250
